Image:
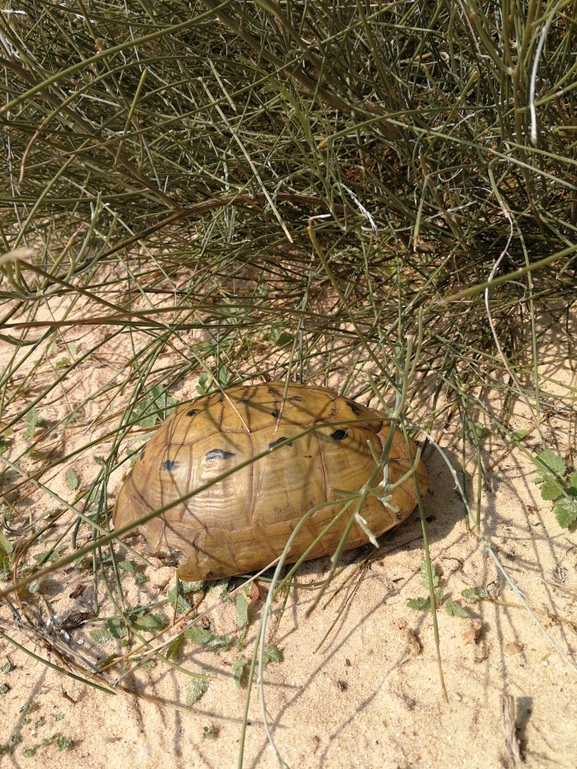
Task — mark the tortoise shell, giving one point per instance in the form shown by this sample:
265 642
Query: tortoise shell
242 522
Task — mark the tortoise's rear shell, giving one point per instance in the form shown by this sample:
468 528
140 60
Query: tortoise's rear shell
242 522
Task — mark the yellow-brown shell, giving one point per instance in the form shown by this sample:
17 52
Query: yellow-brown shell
243 522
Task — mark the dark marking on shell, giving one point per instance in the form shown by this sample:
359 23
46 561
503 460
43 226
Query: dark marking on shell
295 398
192 412
339 435
355 408
170 464
141 455
219 454
275 413
276 443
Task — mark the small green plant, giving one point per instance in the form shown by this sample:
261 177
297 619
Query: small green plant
272 654
210 732
239 671
72 479
178 597
473 594
5 554
477 432
559 486
174 646
31 422
242 607
62 742
129 566
206 639
241 667
100 637
154 408
196 688
453 608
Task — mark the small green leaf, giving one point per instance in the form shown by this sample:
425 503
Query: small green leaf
198 635
4 688
473 594
196 688
419 603
71 479
573 480
136 613
116 627
284 339
203 386
272 654
476 432
100 637
41 558
151 622
241 611
552 462
550 489
63 742
129 566
518 435
454 609
207 639
154 408
210 732
279 337
223 375
174 646
72 417
224 585
239 671
566 512
192 587
177 600
481 431
5 544
31 421
425 575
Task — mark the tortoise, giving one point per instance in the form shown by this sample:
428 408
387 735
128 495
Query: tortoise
242 522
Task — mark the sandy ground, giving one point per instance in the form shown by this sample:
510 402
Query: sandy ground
371 695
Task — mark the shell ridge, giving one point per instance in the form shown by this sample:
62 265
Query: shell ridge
265 536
